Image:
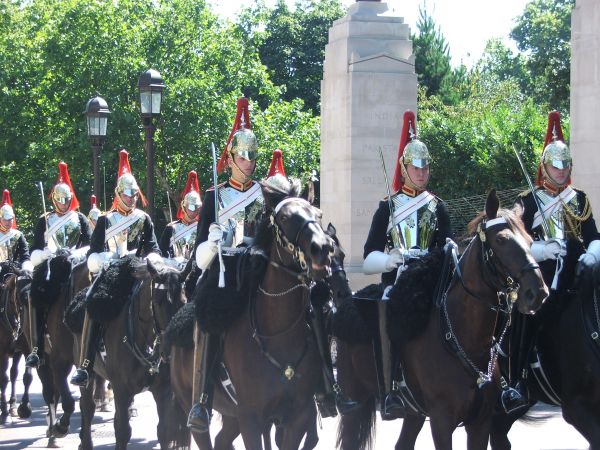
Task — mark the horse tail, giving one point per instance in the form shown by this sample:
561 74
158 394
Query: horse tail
357 429
176 430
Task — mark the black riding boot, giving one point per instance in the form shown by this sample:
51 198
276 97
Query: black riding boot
89 344
515 396
392 405
201 412
331 399
37 337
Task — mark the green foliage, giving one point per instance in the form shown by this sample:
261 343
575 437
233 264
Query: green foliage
57 55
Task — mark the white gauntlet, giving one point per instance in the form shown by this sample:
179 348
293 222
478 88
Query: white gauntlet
96 261
591 257
548 249
379 262
205 253
39 256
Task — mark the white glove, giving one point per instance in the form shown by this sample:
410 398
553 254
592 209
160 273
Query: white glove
27 266
215 232
548 249
154 258
205 253
39 256
378 262
96 261
79 254
592 256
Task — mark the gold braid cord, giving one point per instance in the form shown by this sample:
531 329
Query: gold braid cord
574 220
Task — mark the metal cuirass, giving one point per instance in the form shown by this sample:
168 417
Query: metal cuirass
128 238
416 229
557 225
8 244
242 226
183 241
67 234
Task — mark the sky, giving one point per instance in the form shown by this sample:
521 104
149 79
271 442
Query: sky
466 24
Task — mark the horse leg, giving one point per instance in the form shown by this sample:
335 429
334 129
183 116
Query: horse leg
162 393
501 425
478 433
229 431
3 385
202 440
14 373
441 431
61 428
295 431
251 430
312 436
101 395
88 408
411 427
122 400
48 392
24 409
585 420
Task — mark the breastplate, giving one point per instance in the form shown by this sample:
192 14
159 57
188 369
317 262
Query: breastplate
184 246
244 223
67 235
128 238
417 229
9 246
557 225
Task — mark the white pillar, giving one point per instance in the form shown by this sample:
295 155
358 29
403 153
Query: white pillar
585 100
369 81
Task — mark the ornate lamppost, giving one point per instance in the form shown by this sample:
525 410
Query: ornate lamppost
150 87
96 112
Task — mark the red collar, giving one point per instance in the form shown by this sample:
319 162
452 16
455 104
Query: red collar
552 188
410 191
241 186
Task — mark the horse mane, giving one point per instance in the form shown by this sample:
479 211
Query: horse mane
45 292
512 216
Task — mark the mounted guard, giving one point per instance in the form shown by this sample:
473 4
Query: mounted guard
124 230
63 227
405 227
554 214
94 212
13 246
179 236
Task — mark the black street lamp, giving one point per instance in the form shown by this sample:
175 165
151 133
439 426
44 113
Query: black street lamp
150 86
96 112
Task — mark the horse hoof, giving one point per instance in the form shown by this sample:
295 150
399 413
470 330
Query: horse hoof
24 410
3 417
52 443
12 412
59 430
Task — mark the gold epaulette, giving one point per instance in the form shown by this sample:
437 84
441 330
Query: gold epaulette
525 193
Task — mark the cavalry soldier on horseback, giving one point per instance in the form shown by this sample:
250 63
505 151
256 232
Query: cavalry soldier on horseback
405 227
553 214
64 227
124 230
94 213
13 246
179 237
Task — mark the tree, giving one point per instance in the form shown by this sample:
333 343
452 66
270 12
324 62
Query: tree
543 33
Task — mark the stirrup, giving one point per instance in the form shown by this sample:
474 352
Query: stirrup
199 418
80 378
513 400
32 360
393 407
327 405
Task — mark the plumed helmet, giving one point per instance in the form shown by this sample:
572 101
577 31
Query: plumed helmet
416 153
190 196
410 151
241 141
94 210
556 152
276 175
6 210
126 182
63 191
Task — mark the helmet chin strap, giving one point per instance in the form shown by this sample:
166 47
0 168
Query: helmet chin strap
247 177
552 180
122 207
408 180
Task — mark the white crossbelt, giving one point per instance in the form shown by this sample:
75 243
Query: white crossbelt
117 228
184 231
59 224
407 209
250 195
551 207
9 234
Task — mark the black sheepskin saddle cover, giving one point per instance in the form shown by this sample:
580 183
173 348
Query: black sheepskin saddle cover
44 293
217 308
75 312
180 331
112 290
411 298
356 319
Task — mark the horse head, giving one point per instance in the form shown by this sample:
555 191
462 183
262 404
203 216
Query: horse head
507 258
296 226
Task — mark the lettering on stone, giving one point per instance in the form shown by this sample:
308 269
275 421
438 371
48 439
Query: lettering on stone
363 212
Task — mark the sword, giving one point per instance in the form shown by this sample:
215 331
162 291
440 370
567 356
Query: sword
43 202
216 188
532 188
169 202
394 230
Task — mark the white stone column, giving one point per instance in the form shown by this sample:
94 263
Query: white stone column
585 99
369 81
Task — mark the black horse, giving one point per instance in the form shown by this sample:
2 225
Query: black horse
14 286
134 300
565 366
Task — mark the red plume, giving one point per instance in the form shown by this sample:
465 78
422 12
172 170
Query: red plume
191 185
553 127
276 164
63 177
7 201
93 203
242 109
409 121
125 167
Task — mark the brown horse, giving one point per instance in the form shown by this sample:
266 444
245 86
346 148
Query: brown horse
449 366
147 297
565 367
13 293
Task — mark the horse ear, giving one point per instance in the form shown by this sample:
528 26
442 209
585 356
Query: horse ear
491 205
152 269
331 231
267 195
308 193
518 210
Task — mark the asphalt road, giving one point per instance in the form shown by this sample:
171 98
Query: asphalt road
552 434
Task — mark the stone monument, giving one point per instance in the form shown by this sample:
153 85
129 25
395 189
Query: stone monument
585 99
369 81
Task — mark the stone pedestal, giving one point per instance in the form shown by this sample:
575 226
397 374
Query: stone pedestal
369 81
585 99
